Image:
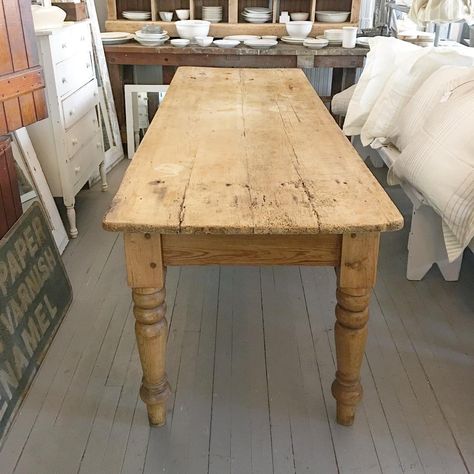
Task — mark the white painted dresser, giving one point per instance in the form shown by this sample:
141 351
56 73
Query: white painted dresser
69 142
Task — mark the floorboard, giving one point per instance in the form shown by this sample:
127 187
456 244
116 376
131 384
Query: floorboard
251 359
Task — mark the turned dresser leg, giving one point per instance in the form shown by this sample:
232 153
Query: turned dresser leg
71 218
151 330
355 279
350 329
103 177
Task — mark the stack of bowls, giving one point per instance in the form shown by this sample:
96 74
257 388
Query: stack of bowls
257 14
212 14
151 36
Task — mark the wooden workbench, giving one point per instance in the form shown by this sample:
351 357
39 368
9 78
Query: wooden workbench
121 57
247 166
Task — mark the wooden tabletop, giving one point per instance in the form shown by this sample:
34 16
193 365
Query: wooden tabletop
281 49
244 151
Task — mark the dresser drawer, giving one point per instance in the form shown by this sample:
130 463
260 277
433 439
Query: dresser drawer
74 72
81 132
70 41
84 162
79 103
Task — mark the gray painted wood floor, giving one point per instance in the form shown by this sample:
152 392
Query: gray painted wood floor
251 361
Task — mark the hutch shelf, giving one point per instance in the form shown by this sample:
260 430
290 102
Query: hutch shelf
232 22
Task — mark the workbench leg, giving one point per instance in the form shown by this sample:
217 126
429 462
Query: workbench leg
151 329
356 277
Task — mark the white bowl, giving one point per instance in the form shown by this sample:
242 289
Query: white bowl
332 16
166 16
299 16
182 14
149 36
269 37
261 43
299 29
180 42
204 41
189 29
315 43
226 44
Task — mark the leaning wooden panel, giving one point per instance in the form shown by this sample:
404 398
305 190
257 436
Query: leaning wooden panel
251 249
247 151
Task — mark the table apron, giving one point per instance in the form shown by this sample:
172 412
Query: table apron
251 249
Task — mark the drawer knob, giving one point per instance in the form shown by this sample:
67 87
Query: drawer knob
88 65
77 169
71 112
98 145
64 46
83 38
74 141
64 80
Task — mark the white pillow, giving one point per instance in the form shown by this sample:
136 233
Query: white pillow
439 163
437 87
403 84
382 59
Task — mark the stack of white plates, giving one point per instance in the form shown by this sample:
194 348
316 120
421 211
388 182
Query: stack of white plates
292 40
257 14
118 37
212 14
151 39
333 36
136 15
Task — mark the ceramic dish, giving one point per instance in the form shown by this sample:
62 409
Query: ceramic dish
204 41
183 14
269 37
331 42
143 35
332 16
152 42
291 40
115 38
260 43
189 29
180 42
226 44
166 16
299 29
299 16
241 38
315 43
363 41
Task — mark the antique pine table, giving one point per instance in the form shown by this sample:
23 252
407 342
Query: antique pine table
247 167
121 58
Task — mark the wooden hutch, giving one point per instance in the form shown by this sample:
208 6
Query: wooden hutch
232 22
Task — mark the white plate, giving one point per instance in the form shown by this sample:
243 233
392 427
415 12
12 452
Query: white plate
117 41
291 40
151 35
363 41
331 42
226 44
114 35
315 43
260 43
241 38
157 42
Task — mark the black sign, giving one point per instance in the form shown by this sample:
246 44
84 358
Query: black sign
35 294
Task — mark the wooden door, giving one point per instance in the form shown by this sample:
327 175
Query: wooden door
22 98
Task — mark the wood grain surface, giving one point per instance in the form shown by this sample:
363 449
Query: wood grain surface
247 151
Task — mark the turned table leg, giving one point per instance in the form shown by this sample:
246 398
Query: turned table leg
356 277
146 277
151 330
